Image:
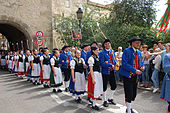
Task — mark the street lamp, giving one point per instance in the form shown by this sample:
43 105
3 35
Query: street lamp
79 17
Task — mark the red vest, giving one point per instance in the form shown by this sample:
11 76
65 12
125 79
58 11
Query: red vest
136 62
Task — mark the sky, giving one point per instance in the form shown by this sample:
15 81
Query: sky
160 6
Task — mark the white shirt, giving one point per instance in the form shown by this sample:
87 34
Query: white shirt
157 62
23 57
52 60
134 49
144 59
91 61
119 54
16 57
73 63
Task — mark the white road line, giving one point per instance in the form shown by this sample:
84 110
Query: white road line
121 108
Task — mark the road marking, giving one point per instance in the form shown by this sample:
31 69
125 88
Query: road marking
121 108
65 102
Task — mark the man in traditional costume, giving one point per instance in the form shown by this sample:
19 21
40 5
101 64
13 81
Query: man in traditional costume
108 62
65 58
132 66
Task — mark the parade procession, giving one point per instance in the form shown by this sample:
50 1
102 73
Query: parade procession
84 56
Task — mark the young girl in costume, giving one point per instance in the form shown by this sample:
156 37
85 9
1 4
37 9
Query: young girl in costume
45 68
56 79
77 81
95 82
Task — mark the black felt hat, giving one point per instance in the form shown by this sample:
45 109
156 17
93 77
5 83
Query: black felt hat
94 42
64 47
105 41
135 38
85 45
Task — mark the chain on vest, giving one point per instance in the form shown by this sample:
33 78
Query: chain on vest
96 66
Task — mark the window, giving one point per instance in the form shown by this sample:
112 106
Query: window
67 3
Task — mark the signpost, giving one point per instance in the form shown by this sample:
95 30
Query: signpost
39 42
39 34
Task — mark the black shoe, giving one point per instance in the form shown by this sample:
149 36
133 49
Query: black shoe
89 100
66 89
105 104
48 86
59 91
34 83
95 107
54 91
131 111
30 80
111 101
79 100
45 86
38 83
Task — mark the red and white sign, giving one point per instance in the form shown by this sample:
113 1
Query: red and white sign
39 42
39 34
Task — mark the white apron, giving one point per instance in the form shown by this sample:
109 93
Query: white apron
58 79
80 84
98 88
46 72
3 62
36 71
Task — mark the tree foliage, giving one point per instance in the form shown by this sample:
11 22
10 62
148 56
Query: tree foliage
135 12
127 18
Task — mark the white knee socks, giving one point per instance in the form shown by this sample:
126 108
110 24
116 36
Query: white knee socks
94 102
104 96
111 94
67 84
129 107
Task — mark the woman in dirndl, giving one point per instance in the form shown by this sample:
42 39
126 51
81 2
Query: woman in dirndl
56 79
14 67
77 81
95 81
35 75
6 61
3 60
45 68
165 89
28 65
21 72
10 62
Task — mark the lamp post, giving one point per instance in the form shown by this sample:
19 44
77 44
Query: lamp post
79 17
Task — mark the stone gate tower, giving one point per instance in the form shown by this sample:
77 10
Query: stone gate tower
20 19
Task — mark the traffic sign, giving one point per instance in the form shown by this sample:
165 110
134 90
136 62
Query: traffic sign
39 42
39 34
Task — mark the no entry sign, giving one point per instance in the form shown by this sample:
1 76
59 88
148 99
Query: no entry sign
39 34
39 42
